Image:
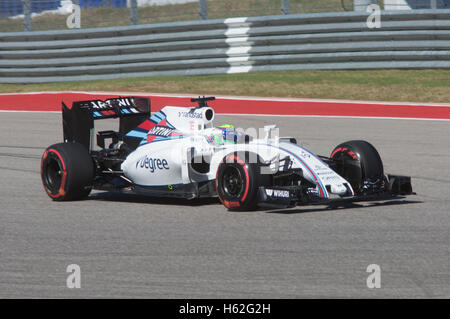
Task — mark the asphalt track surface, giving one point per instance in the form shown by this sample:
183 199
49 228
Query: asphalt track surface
139 247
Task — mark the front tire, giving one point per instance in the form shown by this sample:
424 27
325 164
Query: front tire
237 181
358 162
67 171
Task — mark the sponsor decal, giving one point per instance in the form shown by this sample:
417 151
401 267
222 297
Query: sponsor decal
304 154
277 193
330 178
152 164
324 173
232 203
191 115
123 102
160 131
327 175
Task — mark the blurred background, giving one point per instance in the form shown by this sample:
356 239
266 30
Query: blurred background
31 15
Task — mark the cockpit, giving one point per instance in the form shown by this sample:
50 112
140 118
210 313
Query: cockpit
226 134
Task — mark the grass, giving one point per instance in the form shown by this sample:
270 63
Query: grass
376 85
104 16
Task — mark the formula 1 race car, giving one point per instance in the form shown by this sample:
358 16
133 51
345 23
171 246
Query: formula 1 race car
178 152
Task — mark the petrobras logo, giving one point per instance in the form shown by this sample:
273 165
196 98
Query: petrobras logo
152 164
190 115
160 131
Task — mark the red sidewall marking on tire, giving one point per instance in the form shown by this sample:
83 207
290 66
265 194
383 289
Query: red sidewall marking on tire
335 151
247 179
231 204
61 191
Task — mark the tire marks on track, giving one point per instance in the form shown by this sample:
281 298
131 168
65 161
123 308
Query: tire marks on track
19 170
20 156
28 156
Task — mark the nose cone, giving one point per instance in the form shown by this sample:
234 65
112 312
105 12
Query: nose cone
338 189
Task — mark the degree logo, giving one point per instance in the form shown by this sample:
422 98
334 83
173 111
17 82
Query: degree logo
152 164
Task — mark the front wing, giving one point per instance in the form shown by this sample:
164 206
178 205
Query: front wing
291 196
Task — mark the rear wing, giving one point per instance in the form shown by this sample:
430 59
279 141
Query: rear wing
78 120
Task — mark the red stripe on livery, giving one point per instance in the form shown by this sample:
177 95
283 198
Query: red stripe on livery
147 125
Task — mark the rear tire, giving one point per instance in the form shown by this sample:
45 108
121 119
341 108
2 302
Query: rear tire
238 179
67 171
357 161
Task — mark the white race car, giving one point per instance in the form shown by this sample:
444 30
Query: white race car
178 152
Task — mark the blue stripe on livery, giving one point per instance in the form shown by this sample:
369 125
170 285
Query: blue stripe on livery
323 189
142 133
158 116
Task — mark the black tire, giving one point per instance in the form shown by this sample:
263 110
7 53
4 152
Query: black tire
238 179
357 161
67 171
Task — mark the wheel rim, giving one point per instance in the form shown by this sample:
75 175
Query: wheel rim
233 183
53 174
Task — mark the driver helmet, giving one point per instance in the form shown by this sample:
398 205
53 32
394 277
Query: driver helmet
229 134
